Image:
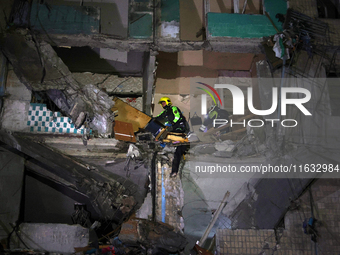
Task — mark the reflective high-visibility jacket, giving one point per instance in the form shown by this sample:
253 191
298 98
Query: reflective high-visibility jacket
173 116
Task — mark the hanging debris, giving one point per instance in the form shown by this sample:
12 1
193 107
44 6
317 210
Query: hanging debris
38 67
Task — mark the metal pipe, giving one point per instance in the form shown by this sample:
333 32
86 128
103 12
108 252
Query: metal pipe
236 6
214 219
244 6
153 185
163 195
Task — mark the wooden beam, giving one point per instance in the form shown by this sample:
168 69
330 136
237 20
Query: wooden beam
127 113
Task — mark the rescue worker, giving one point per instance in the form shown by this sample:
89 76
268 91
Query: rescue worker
214 113
176 122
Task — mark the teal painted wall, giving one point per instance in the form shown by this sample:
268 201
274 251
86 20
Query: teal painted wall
170 10
273 7
62 19
140 26
239 25
245 25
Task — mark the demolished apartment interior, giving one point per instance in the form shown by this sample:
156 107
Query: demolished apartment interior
78 152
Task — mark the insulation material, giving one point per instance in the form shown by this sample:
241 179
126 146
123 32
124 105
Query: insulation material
40 119
170 29
53 238
111 83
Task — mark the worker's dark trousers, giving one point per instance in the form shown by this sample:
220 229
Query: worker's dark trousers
180 150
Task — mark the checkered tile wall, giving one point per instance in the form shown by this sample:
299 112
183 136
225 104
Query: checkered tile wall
40 119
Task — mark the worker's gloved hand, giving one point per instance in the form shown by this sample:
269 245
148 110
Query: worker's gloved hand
203 128
167 124
162 144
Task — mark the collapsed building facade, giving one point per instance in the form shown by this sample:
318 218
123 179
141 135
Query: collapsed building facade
80 82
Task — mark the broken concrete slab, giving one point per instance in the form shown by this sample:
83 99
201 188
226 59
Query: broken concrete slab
226 145
104 188
152 235
223 154
15 105
246 190
11 184
38 67
52 238
203 149
14 115
112 84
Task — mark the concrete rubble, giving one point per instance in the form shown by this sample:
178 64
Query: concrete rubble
39 68
152 235
56 238
128 186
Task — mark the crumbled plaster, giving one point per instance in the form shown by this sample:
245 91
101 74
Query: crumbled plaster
111 83
145 211
55 238
14 114
232 45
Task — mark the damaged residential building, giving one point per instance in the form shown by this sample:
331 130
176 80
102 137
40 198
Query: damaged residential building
85 168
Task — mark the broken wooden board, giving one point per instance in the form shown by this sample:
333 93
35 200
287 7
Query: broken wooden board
175 139
172 137
129 114
124 131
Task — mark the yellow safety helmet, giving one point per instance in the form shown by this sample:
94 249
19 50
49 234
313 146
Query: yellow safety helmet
166 100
